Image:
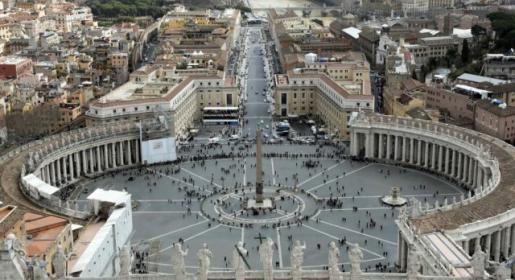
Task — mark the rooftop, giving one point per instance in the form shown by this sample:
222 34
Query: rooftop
352 31
495 109
480 79
10 60
44 231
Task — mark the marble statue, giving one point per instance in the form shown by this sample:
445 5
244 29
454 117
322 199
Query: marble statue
266 254
125 261
37 270
297 255
403 213
413 266
59 263
415 209
238 263
178 265
333 261
204 256
502 272
478 263
355 257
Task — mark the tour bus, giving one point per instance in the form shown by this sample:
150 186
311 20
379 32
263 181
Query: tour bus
220 115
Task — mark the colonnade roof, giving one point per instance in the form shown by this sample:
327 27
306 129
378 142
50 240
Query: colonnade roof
500 200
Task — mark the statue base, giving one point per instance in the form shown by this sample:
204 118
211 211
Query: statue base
393 201
252 204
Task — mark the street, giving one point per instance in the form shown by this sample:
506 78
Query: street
256 83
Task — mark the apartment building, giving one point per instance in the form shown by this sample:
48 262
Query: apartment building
317 95
499 66
496 119
153 91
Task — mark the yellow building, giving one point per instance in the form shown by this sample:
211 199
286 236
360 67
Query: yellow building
11 222
43 234
318 96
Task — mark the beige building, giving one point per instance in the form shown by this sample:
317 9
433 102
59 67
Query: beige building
43 234
153 91
350 70
319 96
497 120
69 113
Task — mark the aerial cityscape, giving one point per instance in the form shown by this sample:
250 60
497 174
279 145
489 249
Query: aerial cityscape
257 139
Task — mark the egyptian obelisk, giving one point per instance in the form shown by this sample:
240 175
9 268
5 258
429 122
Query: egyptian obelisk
259 169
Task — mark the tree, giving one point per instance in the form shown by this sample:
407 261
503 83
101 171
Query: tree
465 52
414 74
477 31
450 57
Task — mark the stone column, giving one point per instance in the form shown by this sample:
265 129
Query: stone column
99 162
138 158
113 154
488 242
485 178
52 174
372 142
506 242
480 177
497 245
459 171
65 168
72 166
400 250
412 151
471 171
440 158
466 177
58 169
475 181
77 163
419 152
388 146
512 238
120 153
396 143
84 162
433 156
46 171
426 155
129 151
465 245
405 152
91 161
381 146
454 163
106 157
447 160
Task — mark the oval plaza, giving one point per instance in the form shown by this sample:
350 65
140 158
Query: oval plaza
441 237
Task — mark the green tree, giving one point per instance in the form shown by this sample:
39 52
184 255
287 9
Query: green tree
414 74
465 52
477 31
450 57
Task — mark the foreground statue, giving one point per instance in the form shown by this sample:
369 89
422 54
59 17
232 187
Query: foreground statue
266 254
178 261
59 263
478 262
238 262
333 261
204 256
355 258
125 261
297 257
